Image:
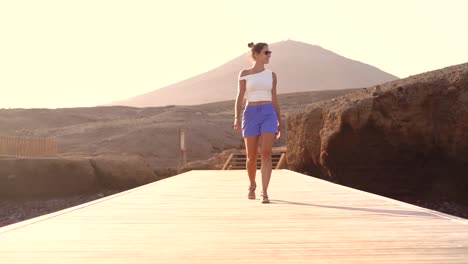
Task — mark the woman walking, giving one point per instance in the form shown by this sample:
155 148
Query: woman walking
261 119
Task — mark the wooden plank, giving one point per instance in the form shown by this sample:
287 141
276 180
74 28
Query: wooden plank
205 217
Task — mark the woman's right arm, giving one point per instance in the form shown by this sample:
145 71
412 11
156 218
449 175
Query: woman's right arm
239 99
240 95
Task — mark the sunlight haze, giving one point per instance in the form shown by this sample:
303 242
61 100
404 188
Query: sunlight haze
87 53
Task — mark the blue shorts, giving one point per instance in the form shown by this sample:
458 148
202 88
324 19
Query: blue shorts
257 119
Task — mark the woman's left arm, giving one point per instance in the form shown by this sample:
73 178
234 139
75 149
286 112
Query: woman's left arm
274 98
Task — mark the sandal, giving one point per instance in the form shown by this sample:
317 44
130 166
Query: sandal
265 198
251 194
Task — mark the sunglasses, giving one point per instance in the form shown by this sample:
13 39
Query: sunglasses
267 52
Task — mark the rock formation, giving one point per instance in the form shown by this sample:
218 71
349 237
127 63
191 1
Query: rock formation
28 178
404 136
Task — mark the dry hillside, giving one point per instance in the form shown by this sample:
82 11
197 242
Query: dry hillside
148 132
299 66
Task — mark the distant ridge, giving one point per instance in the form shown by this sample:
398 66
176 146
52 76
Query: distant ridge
299 66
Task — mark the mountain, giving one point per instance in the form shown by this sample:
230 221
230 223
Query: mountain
299 66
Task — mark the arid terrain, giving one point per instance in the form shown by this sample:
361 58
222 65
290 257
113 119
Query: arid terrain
150 132
403 139
104 145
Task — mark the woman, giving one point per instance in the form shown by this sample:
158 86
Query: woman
261 120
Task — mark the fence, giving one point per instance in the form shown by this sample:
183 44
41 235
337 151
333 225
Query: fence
16 147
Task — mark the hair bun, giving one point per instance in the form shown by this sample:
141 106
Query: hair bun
251 44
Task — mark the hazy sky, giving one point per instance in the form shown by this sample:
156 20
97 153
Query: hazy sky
82 53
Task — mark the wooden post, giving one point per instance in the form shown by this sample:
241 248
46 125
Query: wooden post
183 148
2 152
42 149
35 148
2 146
29 145
178 153
182 151
55 148
9 144
21 147
49 147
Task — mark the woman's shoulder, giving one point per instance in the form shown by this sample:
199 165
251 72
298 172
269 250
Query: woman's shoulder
244 72
247 72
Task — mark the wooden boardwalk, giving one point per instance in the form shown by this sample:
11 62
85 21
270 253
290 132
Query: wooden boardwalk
205 217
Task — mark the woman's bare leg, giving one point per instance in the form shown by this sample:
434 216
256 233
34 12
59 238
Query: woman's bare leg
267 144
251 146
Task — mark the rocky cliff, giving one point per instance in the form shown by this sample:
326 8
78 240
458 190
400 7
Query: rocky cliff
398 138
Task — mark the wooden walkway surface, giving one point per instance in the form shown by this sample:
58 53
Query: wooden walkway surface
205 217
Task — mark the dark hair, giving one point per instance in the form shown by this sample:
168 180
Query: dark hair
256 48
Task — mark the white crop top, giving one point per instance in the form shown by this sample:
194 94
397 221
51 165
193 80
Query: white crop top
258 86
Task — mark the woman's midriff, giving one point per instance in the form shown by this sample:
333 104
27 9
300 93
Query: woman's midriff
259 102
